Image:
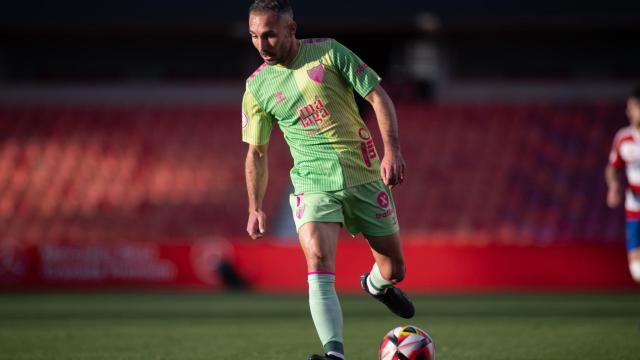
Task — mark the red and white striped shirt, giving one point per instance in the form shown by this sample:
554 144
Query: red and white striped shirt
626 152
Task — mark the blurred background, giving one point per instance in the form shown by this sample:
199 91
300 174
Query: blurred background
121 162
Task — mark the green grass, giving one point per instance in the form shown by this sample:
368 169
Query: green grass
250 326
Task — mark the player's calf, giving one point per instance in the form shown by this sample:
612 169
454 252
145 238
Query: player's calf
396 273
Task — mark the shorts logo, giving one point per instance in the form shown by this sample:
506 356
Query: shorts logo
245 120
366 146
299 206
385 203
300 211
383 200
316 73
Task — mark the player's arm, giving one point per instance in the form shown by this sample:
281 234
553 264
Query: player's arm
366 83
256 130
257 177
611 174
613 185
392 166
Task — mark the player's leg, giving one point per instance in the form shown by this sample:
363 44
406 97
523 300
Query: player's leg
389 267
319 241
369 209
633 248
318 217
387 271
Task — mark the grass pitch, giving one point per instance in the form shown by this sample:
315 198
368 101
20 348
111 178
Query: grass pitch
155 326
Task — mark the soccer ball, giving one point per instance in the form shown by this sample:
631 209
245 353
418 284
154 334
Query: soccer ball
407 343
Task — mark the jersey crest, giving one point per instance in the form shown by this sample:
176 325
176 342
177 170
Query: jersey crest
316 73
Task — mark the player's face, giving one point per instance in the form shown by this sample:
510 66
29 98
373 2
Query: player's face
273 36
633 111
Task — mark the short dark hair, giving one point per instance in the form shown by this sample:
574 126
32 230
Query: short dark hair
635 93
280 7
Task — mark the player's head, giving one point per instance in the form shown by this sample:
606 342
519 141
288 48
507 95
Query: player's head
633 107
272 30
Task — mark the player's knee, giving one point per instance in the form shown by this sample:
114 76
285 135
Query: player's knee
634 269
318 261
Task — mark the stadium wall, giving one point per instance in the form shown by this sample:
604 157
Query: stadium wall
442 267
277 266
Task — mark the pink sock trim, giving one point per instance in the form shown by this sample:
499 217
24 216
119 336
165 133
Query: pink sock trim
321 273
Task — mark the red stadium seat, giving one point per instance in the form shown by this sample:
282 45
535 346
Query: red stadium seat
503 173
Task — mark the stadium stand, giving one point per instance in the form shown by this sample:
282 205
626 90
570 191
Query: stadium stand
92 174
508 173
518 174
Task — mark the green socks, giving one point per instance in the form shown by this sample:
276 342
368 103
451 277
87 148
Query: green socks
375 282
326 312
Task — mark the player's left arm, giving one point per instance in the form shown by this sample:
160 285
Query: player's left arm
613 186
392 166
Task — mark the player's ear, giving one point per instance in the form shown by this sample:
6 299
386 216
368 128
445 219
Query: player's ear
293 27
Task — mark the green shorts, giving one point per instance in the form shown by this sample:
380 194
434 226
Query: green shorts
366 208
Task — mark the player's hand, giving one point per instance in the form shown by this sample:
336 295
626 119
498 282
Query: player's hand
392 169
613 197
257 224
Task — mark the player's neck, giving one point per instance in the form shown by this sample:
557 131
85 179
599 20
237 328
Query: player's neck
293 53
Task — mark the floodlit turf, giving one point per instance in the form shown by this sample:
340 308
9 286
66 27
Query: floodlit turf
242 326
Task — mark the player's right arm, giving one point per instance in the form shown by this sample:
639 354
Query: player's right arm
611 175
256 130
257 176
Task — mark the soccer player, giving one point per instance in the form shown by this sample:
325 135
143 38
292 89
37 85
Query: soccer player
626 153
307 88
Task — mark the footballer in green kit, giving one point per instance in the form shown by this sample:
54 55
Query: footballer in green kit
307 88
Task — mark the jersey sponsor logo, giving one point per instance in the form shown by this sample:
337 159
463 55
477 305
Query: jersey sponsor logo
316 73
245 120
314 113
361 69
279 97
365 156
367 148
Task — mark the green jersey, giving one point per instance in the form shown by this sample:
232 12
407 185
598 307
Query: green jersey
312 101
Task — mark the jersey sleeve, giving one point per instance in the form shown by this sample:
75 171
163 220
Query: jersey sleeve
615 159
256 123
361 77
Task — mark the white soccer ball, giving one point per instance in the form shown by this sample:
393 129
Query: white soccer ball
407 343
